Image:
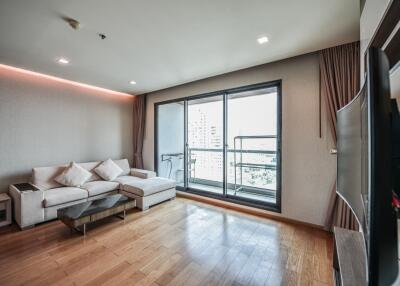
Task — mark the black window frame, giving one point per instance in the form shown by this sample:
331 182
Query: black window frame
277 207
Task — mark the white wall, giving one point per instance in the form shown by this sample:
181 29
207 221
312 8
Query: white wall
308 170
44 123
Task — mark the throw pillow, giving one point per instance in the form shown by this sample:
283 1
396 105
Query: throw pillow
73 176
108 170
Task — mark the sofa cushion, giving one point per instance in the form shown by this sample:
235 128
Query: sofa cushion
43 177
63 195
126 179
150 186
90 166
73 176
100 187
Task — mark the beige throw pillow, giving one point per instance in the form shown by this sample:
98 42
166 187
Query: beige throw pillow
108 170
73 176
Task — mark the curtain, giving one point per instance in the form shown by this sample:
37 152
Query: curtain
139 118
340 83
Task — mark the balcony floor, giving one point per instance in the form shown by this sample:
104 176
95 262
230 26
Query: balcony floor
231 192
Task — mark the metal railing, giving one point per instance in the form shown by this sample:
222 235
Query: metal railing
239 166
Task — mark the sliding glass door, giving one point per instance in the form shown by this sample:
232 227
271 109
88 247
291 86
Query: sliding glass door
205 127
225 144
170 132
253 145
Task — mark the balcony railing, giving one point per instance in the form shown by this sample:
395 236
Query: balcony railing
250 170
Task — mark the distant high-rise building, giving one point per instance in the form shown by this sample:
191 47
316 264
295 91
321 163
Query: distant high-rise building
205 134
205 138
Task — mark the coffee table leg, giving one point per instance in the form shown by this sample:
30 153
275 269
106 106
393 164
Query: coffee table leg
121 216
81 229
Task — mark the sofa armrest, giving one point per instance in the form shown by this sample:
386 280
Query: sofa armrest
143 174
28 206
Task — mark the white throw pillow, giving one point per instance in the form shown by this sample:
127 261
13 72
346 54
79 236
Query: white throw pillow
73 176
108 170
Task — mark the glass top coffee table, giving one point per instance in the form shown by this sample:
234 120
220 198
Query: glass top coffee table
77 216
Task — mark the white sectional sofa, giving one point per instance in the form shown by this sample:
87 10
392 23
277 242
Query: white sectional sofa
38 206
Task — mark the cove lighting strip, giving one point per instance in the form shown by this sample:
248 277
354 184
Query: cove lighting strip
66 81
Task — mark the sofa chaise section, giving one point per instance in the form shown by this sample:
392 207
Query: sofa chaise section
148 192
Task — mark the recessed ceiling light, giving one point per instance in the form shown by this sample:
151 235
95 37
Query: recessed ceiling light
262 40
132 82
63 61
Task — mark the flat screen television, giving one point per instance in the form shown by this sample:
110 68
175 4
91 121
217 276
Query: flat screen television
368 167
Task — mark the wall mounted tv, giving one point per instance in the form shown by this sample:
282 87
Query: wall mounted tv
368 167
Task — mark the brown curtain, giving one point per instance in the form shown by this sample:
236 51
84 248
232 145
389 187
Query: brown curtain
139 118
340 82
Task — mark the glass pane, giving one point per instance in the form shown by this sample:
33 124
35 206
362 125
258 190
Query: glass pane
205 143
252 145
170 139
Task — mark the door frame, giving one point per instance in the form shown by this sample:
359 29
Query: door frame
224 93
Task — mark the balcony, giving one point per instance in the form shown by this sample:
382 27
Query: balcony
251 172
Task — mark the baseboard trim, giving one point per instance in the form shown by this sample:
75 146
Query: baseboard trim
245 209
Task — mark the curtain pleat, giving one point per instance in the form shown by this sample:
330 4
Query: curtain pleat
139 118
340 82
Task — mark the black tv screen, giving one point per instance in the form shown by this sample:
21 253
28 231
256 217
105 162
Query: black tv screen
366 176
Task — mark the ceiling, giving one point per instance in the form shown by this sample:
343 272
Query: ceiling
162 43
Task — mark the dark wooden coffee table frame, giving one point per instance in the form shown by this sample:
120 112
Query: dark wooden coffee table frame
119 211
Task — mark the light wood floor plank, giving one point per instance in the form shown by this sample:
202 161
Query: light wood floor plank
181 242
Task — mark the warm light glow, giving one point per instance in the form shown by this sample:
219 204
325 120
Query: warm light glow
262 40
132 82
63 61
66 81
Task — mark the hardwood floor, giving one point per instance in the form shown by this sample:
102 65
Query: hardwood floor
181 242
